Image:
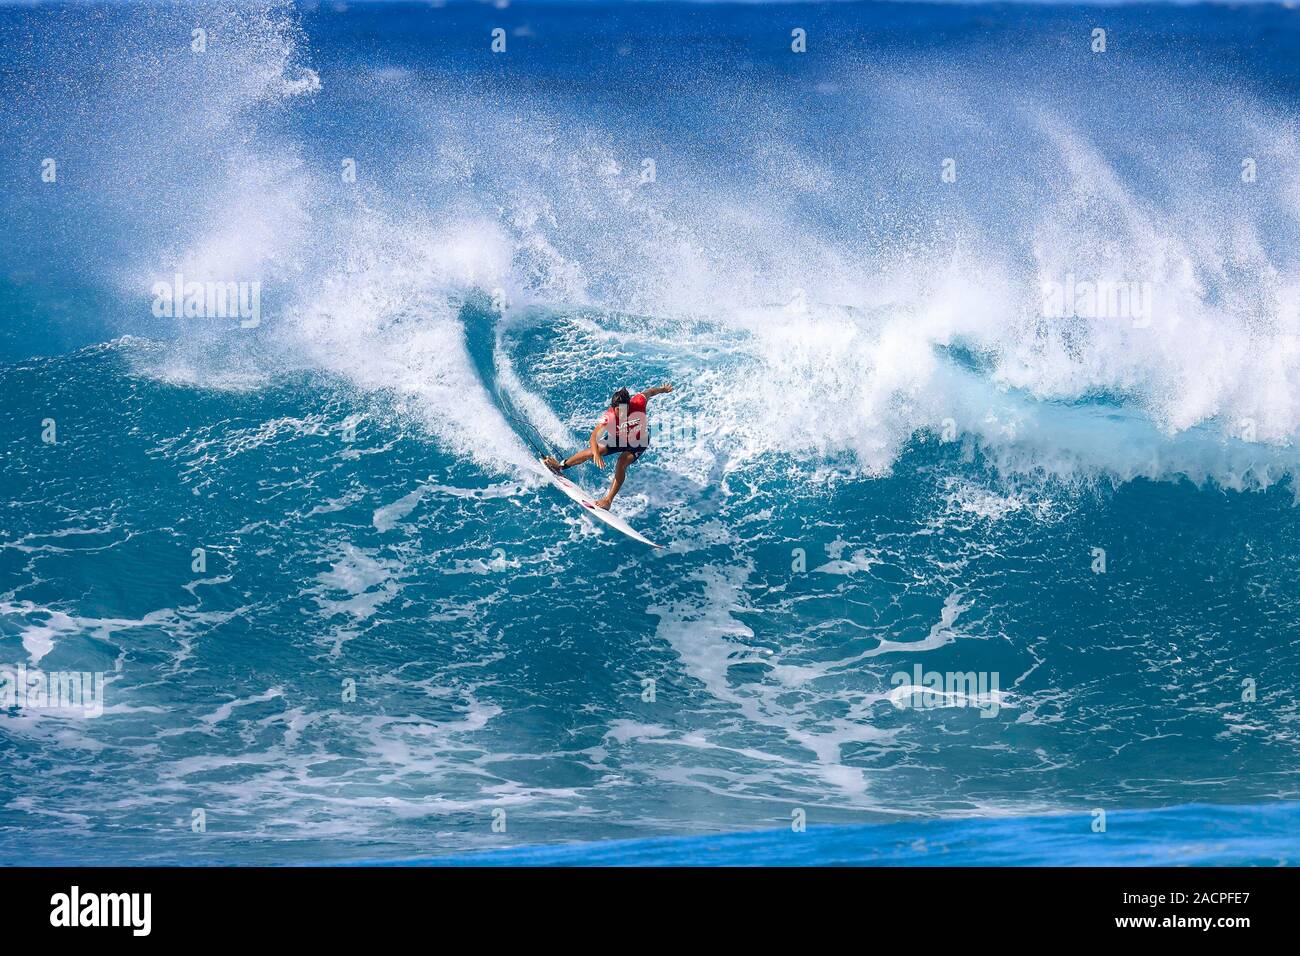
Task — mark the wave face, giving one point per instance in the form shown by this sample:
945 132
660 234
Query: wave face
339 614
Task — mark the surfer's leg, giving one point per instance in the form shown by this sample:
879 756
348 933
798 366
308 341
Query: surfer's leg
577 459
620 470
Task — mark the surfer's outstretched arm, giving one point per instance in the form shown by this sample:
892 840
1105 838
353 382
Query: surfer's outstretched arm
658 390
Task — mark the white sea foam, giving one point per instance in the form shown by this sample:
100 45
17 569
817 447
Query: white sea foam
845 340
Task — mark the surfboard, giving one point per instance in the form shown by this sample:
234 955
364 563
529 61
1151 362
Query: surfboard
589 508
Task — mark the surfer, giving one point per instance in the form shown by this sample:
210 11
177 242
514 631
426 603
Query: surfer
623 430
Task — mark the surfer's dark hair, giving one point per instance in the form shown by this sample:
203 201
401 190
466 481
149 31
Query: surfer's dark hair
621 397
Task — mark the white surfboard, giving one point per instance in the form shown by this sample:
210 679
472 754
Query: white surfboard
589 507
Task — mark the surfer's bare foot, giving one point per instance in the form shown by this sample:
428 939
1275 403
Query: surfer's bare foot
603 503
551 463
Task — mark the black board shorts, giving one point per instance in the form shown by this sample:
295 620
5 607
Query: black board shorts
637 452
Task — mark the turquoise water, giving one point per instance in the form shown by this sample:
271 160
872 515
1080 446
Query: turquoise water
340 615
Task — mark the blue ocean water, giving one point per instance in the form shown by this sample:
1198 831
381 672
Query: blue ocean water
1193 835
340 617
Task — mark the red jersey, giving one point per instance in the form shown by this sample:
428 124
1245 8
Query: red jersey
626 425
